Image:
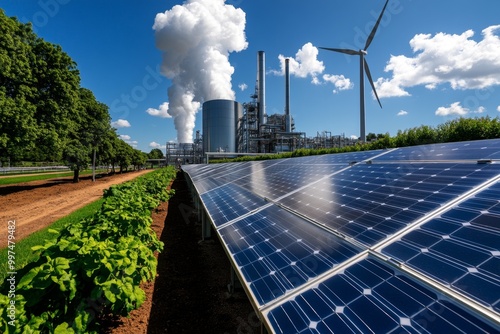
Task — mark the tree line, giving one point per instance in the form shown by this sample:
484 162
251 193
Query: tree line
461 129
45 115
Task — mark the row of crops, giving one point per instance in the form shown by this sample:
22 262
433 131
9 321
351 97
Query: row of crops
93 267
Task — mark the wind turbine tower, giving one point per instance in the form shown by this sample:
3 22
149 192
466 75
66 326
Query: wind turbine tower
363 68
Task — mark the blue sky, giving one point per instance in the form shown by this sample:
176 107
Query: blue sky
433 61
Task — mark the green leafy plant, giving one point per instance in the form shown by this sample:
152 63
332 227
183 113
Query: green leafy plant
94 266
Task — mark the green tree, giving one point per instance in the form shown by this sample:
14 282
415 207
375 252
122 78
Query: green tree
139 158
56 99
38 94
18 127
124 153
156 153
96 125
107 148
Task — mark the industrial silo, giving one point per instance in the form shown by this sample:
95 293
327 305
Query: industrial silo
221 120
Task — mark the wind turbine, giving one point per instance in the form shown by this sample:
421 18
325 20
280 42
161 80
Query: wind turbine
363 68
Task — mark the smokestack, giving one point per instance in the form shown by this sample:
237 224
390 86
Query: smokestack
261 87
288 119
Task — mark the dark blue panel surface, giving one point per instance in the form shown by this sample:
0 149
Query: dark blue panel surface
277 251
471 150
230 202
369 297
371 202
345 158
461 248
281 179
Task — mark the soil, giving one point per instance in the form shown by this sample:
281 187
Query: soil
37 204
189 294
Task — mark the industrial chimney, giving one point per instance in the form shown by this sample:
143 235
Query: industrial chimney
261 87
288 118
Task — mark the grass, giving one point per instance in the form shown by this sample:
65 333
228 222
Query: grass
45 176
23 252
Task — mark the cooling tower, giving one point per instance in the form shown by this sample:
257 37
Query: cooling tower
221 120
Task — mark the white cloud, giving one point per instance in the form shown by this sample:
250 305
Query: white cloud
453 109
154 144
498 108
121 123
124 137
162 111
304 64
132 143
402 113
339 81
456 60
243 86
354 137
480 110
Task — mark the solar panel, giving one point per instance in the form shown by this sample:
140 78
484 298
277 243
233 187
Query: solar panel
471 150
230 202
274 183
461 248
371 202
371 297
387 241
277 252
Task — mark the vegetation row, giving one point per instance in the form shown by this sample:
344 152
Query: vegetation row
462 129
92 268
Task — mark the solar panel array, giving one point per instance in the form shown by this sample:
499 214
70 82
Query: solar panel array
387 241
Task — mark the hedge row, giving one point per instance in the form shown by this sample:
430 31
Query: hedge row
461 129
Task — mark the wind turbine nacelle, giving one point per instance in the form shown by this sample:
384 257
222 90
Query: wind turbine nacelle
363 52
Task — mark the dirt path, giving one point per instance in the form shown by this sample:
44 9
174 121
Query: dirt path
35 205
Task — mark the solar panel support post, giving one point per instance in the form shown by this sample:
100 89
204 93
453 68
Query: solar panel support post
206 232
234 282
199 210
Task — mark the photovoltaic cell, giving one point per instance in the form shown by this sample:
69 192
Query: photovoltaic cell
371 202
345 158
276 182
370 297
461 248
277 252
230 202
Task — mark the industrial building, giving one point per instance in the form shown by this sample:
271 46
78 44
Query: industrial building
231 128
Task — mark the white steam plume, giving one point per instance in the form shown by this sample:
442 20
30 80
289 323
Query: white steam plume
196 39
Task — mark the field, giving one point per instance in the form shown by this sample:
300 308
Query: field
189 293
35 205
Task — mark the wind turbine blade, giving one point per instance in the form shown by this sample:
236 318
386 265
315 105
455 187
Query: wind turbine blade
368 74
374 30
347 51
